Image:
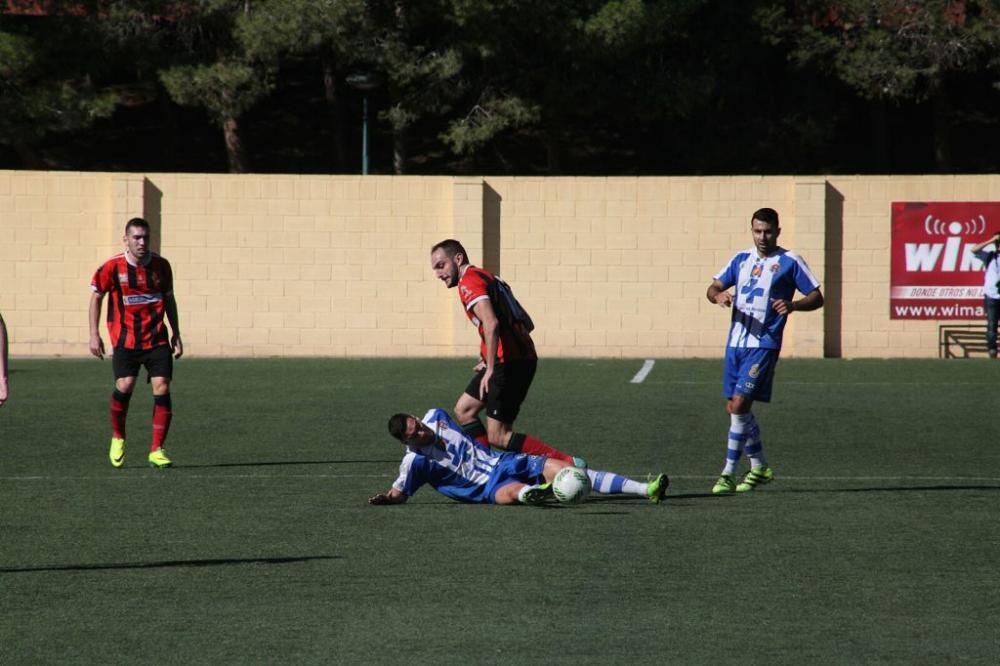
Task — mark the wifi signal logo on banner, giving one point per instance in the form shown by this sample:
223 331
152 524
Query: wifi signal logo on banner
947 256
937 227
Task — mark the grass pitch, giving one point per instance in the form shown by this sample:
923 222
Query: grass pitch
877 543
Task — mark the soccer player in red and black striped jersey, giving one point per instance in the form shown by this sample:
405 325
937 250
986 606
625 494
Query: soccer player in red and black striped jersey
140 288
507 354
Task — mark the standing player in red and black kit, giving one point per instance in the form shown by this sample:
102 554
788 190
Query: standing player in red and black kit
141 288
507 354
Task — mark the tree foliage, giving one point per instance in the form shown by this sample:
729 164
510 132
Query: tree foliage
46 87
889 49
899 51
562 86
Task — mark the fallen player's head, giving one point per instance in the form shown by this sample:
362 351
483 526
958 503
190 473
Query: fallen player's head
410 430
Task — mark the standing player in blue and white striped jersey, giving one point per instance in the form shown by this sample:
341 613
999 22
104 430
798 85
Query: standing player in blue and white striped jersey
440 454
766 278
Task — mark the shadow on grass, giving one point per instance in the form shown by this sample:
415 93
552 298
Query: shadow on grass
617 499
600 498
272 463
693 496
883 489
166 564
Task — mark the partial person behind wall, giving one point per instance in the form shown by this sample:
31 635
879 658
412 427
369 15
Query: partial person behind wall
4 388
988 253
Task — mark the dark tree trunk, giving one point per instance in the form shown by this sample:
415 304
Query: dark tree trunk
234 146
553 151
879 136
399 152
30 159
942 110
333 114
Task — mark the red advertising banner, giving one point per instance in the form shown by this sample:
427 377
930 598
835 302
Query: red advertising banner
934 274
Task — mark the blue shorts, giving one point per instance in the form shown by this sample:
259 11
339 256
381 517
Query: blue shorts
520 467
749 372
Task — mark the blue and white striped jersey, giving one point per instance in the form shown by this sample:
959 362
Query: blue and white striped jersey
454 465
990 259
759 281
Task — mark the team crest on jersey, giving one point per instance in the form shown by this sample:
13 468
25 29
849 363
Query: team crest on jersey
754 370
123 278
774 268
465 291
155 280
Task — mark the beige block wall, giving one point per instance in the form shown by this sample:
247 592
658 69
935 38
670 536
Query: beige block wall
306 265
866 330
53 230
288 265
619 266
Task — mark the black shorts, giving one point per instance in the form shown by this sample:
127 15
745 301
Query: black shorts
507 389
159 362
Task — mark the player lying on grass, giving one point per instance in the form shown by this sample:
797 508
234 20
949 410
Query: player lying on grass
440 454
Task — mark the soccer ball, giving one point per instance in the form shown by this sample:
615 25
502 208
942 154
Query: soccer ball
571 485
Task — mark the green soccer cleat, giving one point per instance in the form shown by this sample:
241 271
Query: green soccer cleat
657 488
758 476
724 486
117 452
536 495
159 459
579 462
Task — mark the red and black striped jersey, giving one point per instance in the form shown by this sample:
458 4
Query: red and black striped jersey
136 300
477 284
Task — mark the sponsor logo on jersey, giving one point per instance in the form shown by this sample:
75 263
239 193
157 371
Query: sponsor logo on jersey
757 270
142 299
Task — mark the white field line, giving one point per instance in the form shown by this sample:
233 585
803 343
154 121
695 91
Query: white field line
162 477
793 382
179 475
643 371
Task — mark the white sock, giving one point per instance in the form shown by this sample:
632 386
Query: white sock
609 483
738 427
755 448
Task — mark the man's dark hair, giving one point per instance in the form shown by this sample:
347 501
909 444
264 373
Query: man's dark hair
768 215
137 222
452 247
397 426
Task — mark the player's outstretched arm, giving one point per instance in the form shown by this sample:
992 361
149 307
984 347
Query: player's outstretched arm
812 301
719 295
94 316
992 240
491 338
170 307
391 496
